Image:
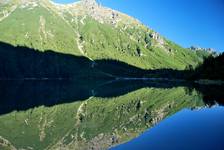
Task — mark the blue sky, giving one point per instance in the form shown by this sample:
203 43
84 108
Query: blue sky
186 22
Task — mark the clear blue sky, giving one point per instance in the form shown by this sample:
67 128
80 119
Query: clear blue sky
186 22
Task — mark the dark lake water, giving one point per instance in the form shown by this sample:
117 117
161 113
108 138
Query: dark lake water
121 114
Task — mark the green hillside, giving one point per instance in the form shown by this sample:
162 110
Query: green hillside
88 29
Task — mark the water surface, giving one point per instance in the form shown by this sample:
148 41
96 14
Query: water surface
186 130
103 114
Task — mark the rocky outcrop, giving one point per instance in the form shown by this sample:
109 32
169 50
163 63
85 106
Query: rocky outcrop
207 50
100 13
158 38
94 10
197 48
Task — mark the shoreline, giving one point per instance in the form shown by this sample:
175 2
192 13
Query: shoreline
200 81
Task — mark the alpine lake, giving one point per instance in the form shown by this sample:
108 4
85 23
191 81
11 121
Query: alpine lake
116 115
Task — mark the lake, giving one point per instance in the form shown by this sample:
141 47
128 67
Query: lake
118 114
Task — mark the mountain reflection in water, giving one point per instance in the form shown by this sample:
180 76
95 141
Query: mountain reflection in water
83 115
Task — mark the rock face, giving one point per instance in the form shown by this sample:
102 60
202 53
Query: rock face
197 48
100 13
158 38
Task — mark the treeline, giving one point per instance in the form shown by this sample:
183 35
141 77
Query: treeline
212 68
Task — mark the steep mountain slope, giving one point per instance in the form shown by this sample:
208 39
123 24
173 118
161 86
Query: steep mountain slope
88 29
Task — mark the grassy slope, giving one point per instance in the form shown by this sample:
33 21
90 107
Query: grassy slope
23 27
122 117
101 41
105 41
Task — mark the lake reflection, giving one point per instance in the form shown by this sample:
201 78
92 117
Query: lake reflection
83 115
187 130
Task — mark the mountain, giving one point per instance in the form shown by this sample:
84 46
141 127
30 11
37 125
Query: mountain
87 29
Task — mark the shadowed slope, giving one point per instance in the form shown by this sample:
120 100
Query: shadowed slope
26 63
